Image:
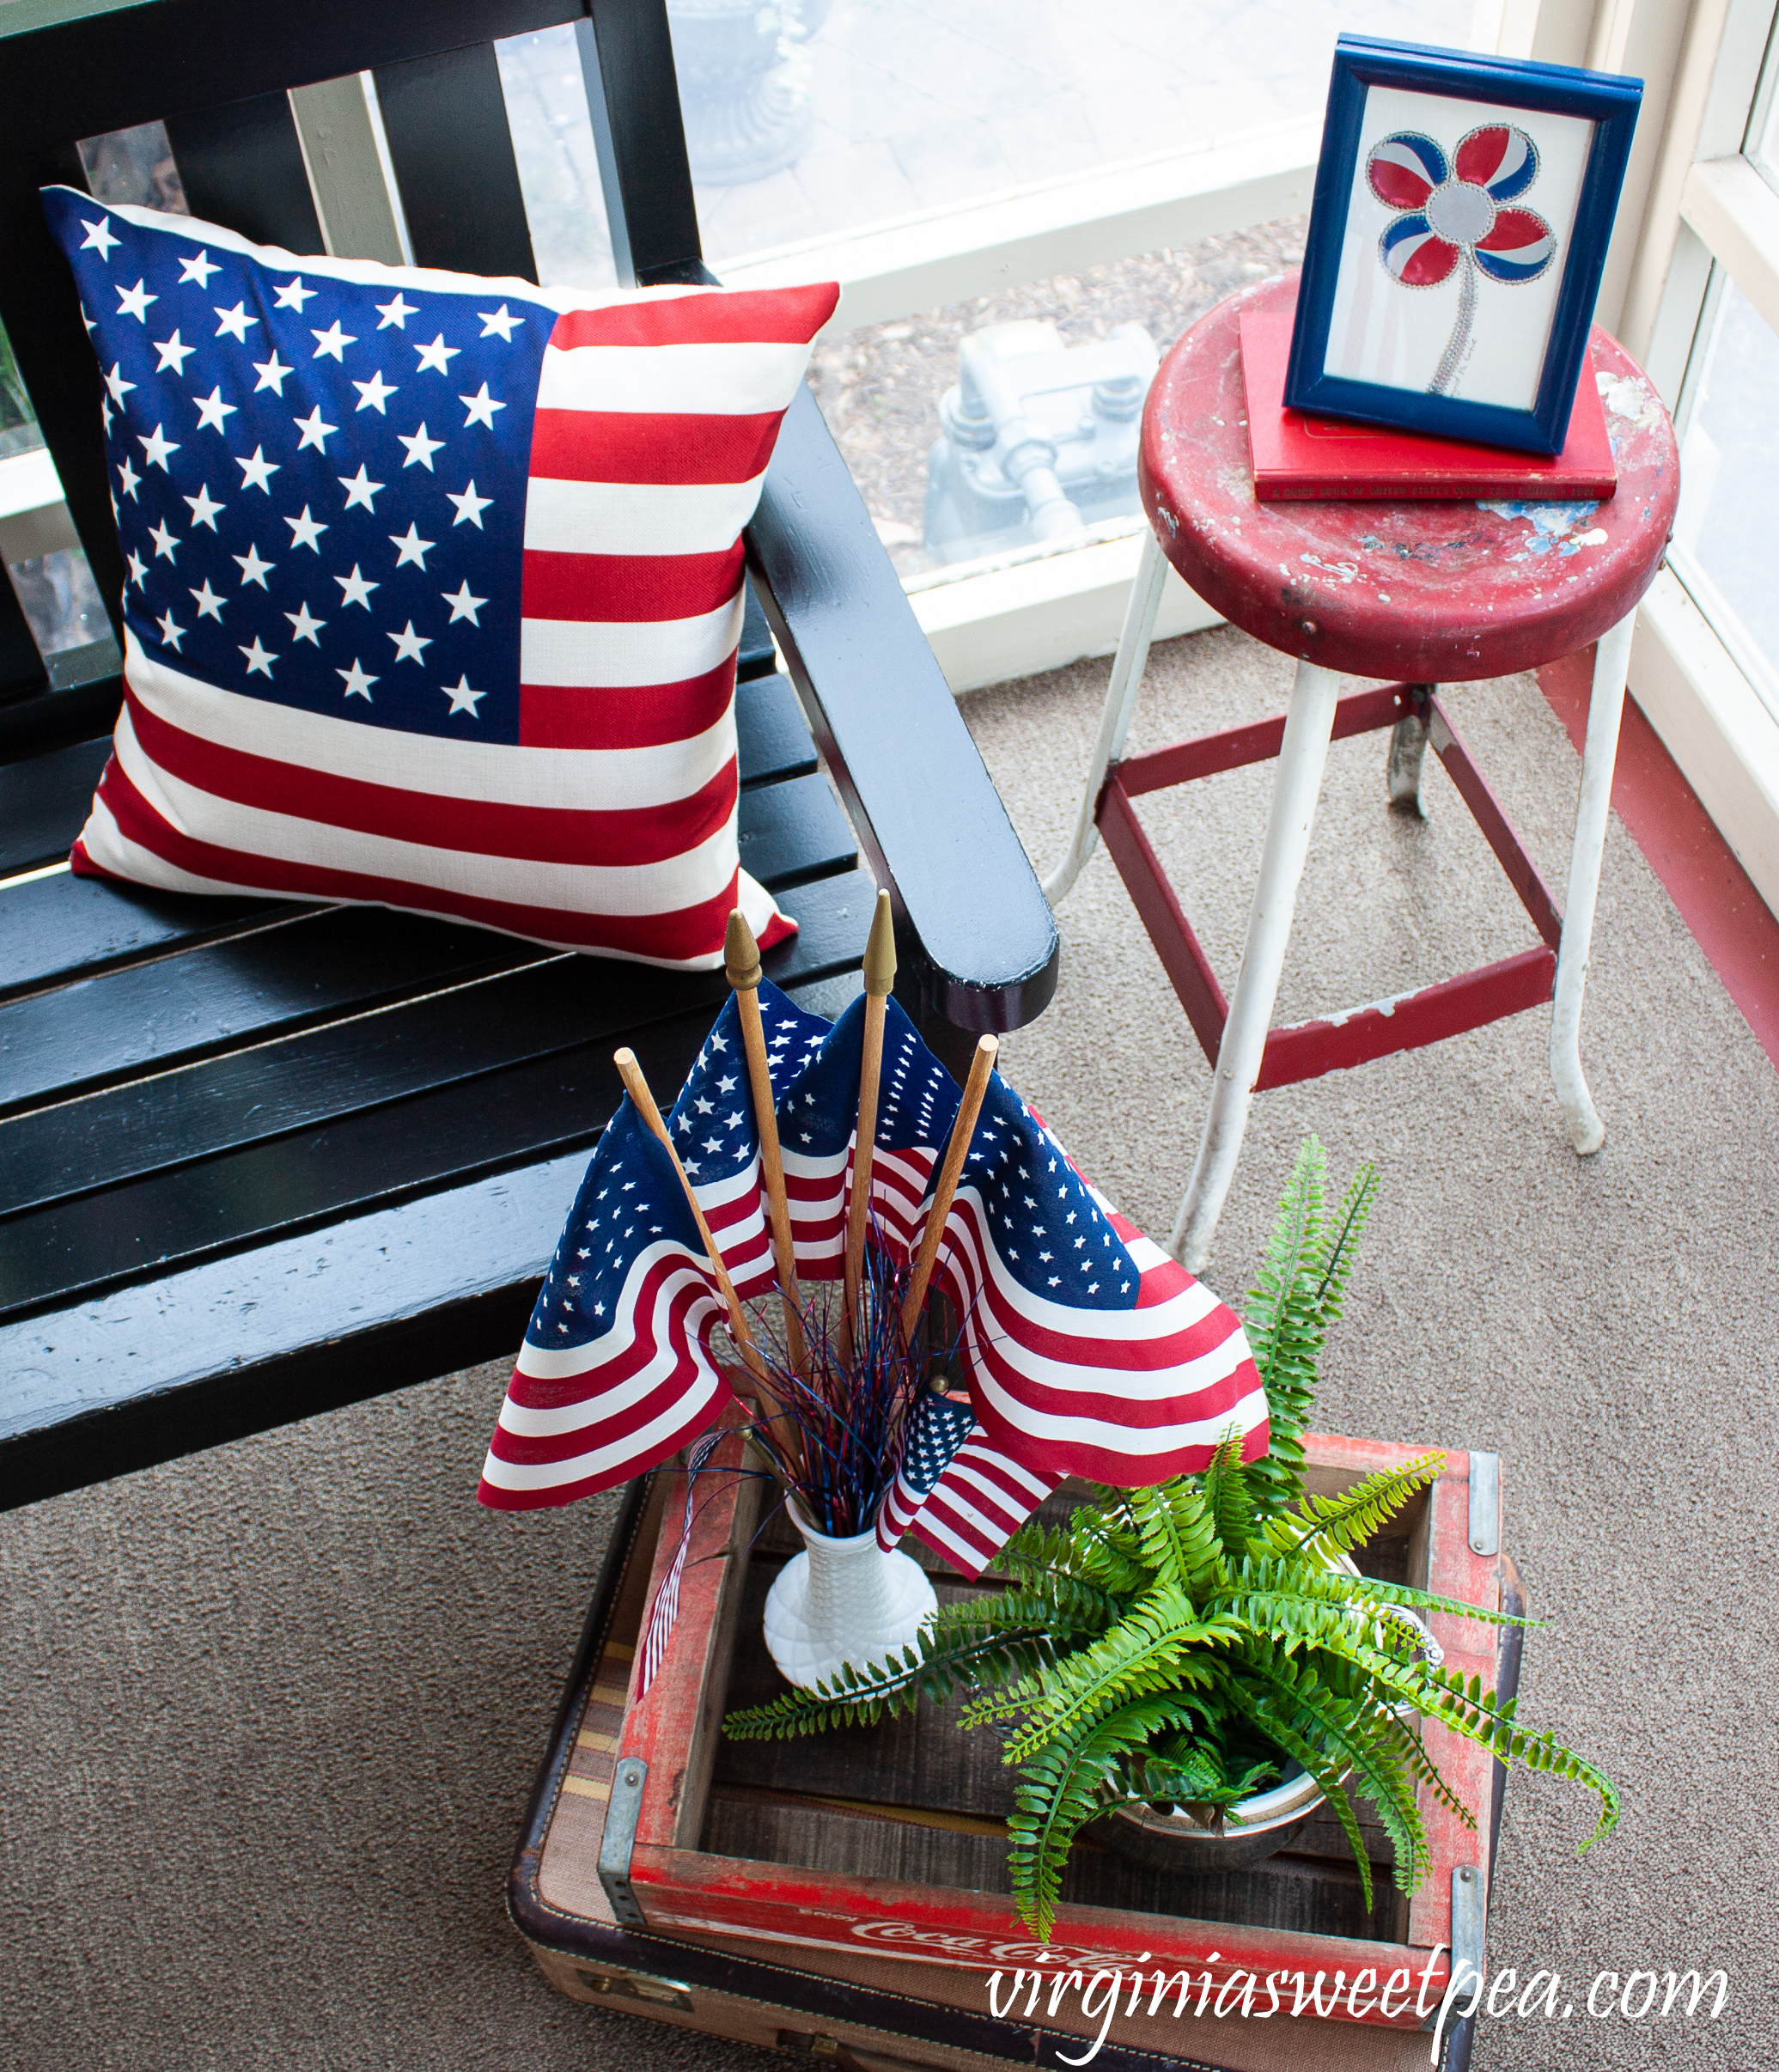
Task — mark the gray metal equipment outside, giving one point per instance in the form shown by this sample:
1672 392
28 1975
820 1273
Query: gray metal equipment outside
1040 438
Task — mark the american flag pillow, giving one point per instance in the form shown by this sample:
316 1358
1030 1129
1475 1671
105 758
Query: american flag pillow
433 584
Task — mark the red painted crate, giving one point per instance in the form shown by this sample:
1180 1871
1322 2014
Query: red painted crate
866 1862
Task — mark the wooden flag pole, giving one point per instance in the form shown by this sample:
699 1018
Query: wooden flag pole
880 977
741 958
949 1173
638 1087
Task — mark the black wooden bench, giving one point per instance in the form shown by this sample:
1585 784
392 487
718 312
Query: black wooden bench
260 1159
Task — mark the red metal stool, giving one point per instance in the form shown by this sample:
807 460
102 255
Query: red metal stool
1427 593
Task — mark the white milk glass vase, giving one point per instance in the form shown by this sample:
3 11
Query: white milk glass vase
842 1602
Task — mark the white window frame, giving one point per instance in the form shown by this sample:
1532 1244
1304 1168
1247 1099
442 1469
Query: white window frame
1707 207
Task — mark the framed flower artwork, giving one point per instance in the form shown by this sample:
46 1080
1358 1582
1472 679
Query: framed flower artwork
1463 208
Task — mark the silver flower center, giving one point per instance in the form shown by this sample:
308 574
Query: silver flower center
1460 213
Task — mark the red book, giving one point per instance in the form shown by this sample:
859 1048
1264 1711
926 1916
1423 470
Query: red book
1302 458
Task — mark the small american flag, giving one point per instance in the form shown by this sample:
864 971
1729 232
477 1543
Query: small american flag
617 1371
433 584
937 1428
1086 1350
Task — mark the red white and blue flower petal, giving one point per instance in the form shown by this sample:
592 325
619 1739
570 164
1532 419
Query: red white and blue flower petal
1499 158
1414 255
1518 248
1405 169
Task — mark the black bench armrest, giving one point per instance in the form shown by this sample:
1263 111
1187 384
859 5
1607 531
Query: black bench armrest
971 918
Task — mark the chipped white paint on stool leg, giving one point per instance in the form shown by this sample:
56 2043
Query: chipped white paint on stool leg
1605 707
1303 754
1127 668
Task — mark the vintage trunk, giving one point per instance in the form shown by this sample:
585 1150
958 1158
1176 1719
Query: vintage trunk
847 1894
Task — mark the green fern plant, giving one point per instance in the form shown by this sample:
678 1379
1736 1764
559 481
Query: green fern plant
1181 1646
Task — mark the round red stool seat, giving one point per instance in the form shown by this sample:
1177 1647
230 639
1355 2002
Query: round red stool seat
1434 593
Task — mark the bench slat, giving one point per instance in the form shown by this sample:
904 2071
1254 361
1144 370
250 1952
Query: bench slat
245 1343
44 802
244 1097
284 1332
148 1227
242 164
774 736
69 928
446 122
329 962
368 1160
65 928
794 832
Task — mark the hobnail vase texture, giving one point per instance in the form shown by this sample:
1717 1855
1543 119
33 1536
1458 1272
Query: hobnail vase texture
841 1601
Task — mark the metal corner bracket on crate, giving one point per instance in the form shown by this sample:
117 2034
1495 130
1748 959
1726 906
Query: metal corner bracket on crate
620 1839
1485 1503
1470 1929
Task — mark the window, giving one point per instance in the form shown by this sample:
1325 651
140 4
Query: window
1703 312
818 129
1723 538
1727 404
811 121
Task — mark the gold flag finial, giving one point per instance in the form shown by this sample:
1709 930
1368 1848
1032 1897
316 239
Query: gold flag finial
881 951
741 954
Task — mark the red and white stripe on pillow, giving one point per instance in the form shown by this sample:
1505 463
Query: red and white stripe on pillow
610 824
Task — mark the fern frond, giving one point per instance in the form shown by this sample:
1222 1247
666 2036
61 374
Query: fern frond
1279 1574
1347 1228
1197 1779
933 1670
1339 1716
1280 1322
1228 1495
1145 1655
1423 1766
1062 1604
1087 1556
1347 1521
1179 1536
1320 1768
1467 1709
1061 1789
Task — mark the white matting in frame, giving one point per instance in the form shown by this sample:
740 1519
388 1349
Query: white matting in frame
1493 325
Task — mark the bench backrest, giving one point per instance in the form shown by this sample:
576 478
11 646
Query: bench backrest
219 75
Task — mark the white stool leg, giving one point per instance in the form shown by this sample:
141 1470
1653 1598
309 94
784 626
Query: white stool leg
1302 757
1127 667
1605 707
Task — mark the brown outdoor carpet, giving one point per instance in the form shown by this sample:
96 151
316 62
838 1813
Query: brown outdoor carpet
270 1714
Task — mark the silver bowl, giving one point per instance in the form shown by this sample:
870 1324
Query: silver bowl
1253 1829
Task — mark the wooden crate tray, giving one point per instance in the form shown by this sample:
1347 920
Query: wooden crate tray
891 1839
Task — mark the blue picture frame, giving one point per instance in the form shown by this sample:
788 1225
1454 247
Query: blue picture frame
1609 101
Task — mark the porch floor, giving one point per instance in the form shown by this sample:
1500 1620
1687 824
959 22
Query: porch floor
272 1712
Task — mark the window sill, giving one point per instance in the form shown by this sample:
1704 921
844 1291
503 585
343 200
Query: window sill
1045 613
33 520
1084 220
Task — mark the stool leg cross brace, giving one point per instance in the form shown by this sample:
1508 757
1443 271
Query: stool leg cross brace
1302 755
